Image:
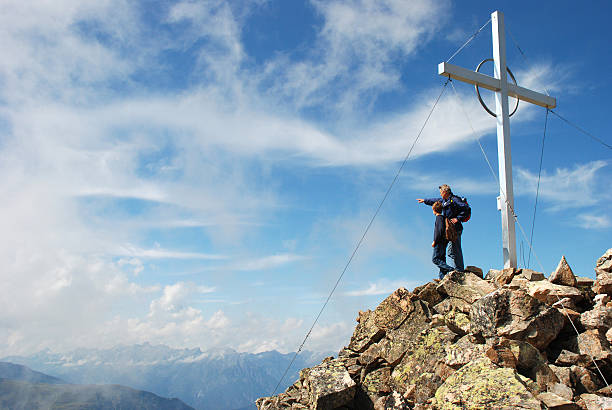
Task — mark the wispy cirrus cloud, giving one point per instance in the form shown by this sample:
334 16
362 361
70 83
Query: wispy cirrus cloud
566 188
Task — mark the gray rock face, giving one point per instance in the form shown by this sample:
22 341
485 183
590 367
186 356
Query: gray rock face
467 342
516 315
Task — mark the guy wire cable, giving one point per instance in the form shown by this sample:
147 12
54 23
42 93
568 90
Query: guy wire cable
503 194
363 236
535 206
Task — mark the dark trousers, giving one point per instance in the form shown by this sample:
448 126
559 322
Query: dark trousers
439 258
454 252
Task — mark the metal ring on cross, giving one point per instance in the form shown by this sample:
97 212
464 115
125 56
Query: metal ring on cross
478 91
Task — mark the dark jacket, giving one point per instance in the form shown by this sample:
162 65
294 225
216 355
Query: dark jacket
453 207
439 230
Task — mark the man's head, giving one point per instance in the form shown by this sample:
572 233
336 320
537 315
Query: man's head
445 191
437 207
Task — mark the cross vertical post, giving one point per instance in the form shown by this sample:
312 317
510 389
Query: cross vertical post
499 84
504 155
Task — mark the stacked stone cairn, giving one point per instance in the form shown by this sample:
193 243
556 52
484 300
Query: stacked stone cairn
510 340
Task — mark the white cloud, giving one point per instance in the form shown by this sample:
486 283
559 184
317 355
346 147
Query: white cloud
592 221
355 51
382 287
567 187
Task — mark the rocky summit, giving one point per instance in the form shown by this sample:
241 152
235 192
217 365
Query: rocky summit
512 339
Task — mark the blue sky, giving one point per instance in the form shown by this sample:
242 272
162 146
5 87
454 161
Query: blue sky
197 173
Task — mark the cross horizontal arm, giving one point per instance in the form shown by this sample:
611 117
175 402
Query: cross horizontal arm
472 77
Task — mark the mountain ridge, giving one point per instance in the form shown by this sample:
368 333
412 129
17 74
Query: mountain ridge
213 379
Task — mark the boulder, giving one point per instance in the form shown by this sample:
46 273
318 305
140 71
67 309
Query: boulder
531 275
390 314
481 384
584 380
526 359
429 294
329 385
551 293
393 401
563 275
420 367
598 318
457 321
567 358
604 263
562 390
463 351
553 401
475 270
582 281
377 383
593 343
595 402
451 303
505 276
365 333
465 286
398 341
562 373
603 283
515 315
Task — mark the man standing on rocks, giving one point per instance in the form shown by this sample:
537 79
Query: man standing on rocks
454 209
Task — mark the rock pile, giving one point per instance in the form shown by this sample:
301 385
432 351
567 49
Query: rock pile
510 340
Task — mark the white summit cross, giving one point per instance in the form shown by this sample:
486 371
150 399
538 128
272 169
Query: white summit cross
502 89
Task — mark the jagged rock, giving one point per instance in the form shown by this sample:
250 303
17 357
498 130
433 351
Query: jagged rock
419 367
562 390
429 294
525 358
457 321
594 344
481 384
609 336
595 402
463 352
515 315
598 318
329 385
562 373
506 276
582 281
605 391
585 380
604 263
475 270
451 303
567 358
563 275
394 345
377 383
531 275
394 309
551 293
394 401
601 300
492 274
603 283
465 286
555 402
365 333
388 315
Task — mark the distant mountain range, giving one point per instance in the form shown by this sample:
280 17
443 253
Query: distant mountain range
215 379
23 388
